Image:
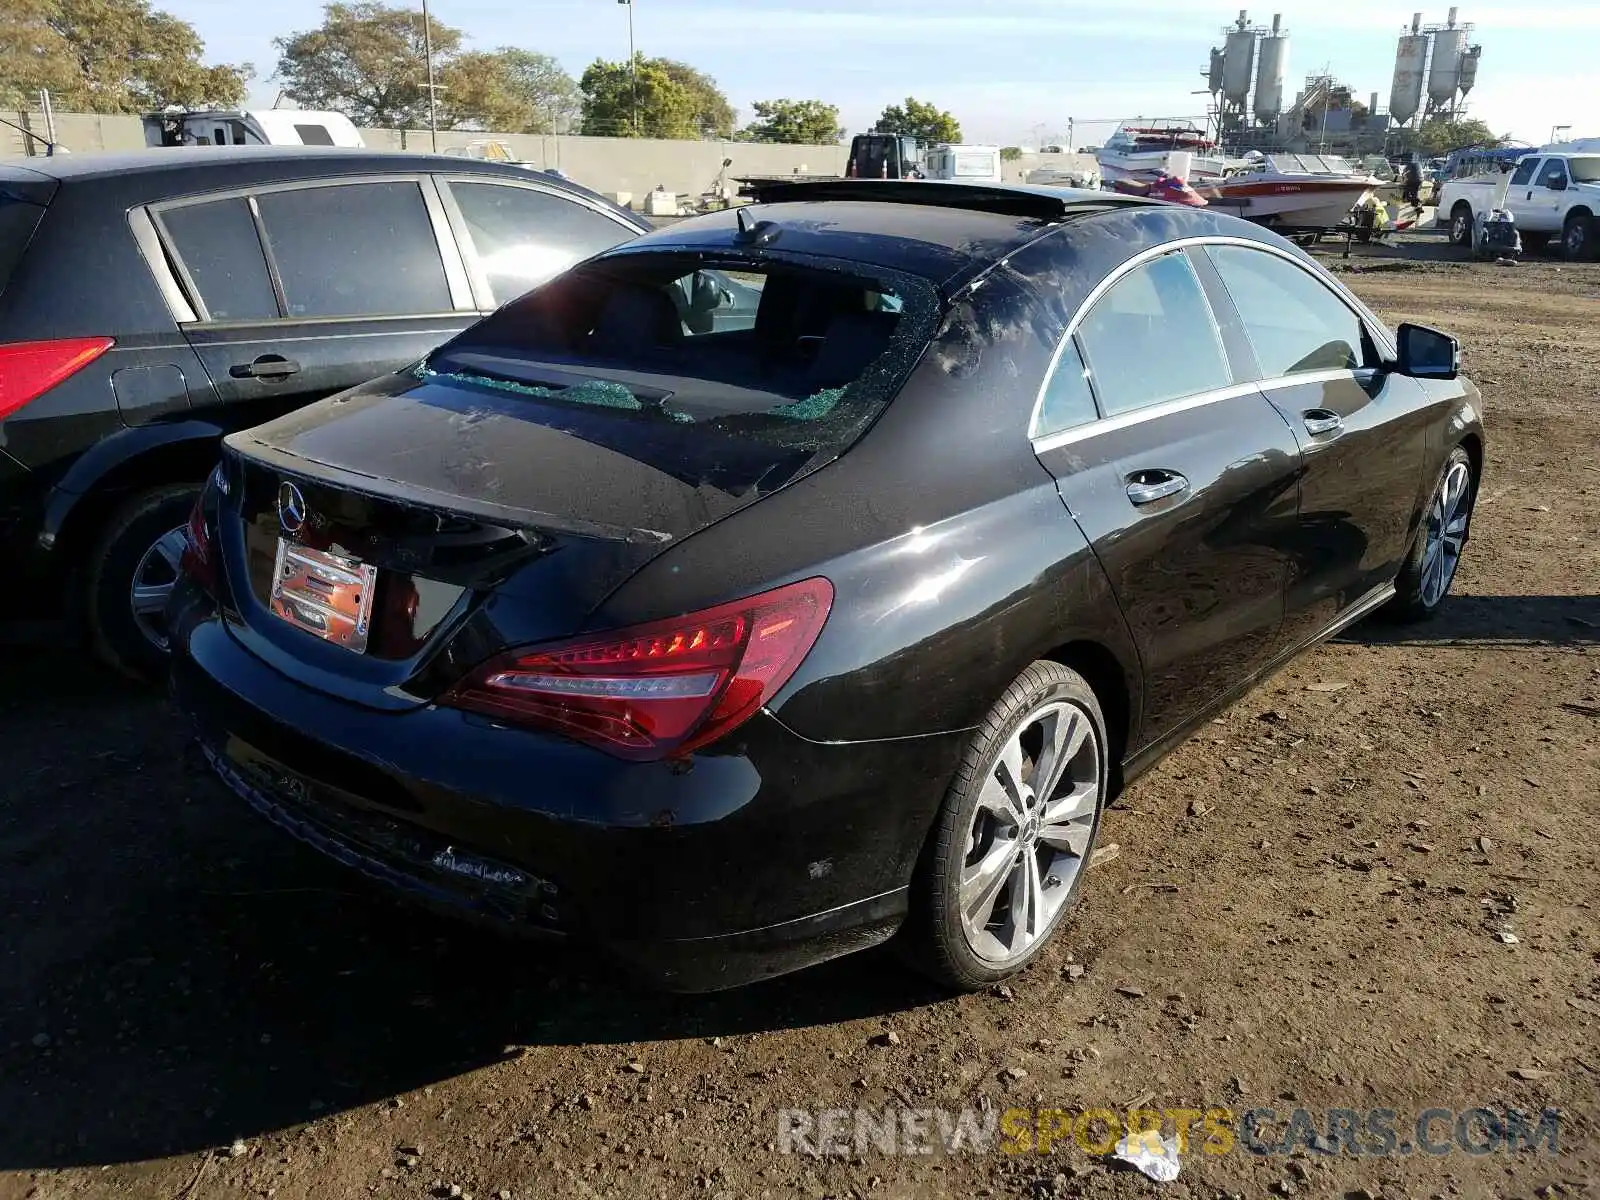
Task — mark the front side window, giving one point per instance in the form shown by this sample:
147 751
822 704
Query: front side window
1294 323
356 250
216 242
524 236
1152 337
1553 170
1524 172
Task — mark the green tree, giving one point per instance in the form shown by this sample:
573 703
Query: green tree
800 122
108 56
674 101
1010 153
921 121
507 91
1438 137
366 60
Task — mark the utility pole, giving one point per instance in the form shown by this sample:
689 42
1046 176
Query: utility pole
433 105
633 65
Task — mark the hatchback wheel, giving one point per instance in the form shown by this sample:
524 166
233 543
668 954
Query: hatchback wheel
1430 568
1007 855
131 577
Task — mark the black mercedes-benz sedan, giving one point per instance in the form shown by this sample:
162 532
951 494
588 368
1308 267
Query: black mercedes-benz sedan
802 576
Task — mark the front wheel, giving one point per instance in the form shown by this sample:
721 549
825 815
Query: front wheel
1007 855
1428 571
131 575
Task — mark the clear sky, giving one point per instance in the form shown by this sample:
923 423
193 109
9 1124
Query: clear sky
1012 71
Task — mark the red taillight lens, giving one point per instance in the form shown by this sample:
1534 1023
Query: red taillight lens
659 689
196 561
30 369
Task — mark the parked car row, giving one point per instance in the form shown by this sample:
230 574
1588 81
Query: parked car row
756 590
1550 196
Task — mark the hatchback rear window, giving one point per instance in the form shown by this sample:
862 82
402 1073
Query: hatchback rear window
18 220
795 353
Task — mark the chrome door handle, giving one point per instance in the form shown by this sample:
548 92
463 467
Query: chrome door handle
1320 420
1146 487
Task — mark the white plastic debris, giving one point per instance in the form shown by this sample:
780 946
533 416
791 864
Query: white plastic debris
1139 1152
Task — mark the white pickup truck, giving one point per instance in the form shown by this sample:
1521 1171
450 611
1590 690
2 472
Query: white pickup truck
1548 194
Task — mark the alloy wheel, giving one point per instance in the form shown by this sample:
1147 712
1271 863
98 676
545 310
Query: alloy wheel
1030 833
153 581
1575 243
1461 230
1446 533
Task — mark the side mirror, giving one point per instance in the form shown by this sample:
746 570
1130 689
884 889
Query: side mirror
1427 353
1558 184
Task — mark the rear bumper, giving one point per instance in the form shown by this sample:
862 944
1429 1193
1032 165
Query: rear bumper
767 856
32 586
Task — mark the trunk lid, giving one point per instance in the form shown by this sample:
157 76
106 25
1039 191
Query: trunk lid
492 520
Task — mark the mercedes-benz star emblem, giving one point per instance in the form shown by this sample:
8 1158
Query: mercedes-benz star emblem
291 508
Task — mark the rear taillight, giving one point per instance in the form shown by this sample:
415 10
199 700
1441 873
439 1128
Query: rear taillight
198 559
30 369
660 689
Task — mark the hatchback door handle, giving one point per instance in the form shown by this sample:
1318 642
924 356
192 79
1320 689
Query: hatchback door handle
268 366
1320 420
1146 487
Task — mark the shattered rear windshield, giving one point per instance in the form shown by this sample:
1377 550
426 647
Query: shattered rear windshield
794 353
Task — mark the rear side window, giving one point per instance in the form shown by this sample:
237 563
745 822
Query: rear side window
706 361
1152 337
1067 401
523 237
1524 172
1295 324
314 135
18 220
216 243
355 250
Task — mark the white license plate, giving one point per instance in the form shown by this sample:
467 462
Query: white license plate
325 594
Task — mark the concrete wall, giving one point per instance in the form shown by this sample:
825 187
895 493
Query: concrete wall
606 164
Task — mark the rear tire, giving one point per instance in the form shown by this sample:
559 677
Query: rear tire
1461 225
1578 238
1011 832
1430 568
139 547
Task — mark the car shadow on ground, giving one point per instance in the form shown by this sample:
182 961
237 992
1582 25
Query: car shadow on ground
1508 622
181 974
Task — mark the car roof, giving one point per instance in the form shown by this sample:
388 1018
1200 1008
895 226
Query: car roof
162 172
944 231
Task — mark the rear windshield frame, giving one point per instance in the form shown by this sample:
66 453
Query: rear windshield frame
822 437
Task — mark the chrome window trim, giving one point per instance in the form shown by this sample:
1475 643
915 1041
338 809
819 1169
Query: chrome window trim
446 181
148 240
1376 329
450 247
1137 416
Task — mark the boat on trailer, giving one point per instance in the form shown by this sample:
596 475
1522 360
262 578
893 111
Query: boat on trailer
1138 152
1292 192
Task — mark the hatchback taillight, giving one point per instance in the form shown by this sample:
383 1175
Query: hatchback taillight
30 369
660 689
197 560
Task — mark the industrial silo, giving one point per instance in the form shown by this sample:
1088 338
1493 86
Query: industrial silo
1411 56
1444 76
1238 61
1273 67
1214 73
1469 68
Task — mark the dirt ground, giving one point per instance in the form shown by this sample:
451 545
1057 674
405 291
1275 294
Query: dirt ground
1372 884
